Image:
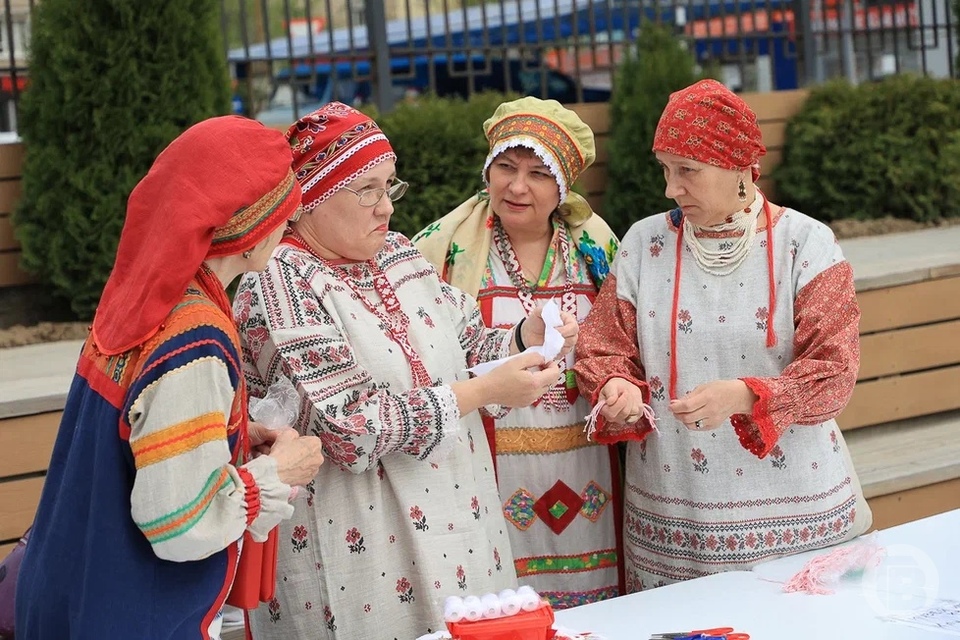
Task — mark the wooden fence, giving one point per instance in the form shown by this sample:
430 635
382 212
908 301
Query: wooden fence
11 157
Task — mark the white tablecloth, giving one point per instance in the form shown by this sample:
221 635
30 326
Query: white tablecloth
922 563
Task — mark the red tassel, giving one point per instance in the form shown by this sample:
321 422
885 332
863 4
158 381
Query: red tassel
268 577
673 314
772 283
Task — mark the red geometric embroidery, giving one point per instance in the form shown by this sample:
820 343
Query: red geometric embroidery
558 507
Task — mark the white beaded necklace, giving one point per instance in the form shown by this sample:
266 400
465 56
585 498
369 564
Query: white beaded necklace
723 262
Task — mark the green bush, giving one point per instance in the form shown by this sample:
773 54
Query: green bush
887 148
644 81
112 82
440 151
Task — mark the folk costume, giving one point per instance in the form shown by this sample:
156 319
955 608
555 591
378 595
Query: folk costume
559 493
784 319
405 511
150 488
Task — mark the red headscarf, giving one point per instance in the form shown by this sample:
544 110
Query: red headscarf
332 147
220 188
709 123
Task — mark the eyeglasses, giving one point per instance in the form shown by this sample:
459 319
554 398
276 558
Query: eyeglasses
371 197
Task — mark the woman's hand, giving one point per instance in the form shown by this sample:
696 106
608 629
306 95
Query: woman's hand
512 384
298 457
710 405
623 401
533 329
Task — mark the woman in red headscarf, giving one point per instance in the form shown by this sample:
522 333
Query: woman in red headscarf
736 321
150 487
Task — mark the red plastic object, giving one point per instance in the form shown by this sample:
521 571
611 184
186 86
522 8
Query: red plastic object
526 625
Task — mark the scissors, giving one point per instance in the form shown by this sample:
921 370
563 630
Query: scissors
717 633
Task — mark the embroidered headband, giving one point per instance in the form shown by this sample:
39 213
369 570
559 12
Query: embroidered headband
557 135
332 147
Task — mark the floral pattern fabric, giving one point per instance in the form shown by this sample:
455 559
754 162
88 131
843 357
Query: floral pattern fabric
560 493
777 482
405 510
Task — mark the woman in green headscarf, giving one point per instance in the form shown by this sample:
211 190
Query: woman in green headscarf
525 239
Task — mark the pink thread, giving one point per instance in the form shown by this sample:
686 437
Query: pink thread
590 426
829 568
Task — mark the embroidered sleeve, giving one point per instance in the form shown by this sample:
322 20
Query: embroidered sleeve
358 420
188 499
817 385
479 343
608 348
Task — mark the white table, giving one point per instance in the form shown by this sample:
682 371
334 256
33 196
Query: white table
753 601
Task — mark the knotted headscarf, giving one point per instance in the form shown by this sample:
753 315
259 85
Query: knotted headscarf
709 123
332 147
219 188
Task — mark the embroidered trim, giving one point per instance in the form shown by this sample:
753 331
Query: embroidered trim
545 440
568 599
248 218
535 565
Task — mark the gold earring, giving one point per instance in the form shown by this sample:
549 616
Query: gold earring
246 254
743 191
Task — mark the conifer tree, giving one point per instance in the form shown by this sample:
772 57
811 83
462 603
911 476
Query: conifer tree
658 66
112 82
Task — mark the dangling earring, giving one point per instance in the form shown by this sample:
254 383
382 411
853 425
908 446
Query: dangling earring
246 254
743 191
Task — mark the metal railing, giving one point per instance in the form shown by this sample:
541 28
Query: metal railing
288 56
382 51
14 42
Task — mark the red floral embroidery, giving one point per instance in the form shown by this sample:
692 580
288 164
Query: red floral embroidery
699 461
746 538
684 321
419 520
656 245
355 541
329 618
777 457
461 578
496 558
274 609
656 388
762 315
475 507
338 449
299 538
405 590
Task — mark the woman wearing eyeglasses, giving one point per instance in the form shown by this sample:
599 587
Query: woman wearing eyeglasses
376 344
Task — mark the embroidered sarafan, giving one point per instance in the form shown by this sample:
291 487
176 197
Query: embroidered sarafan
776 482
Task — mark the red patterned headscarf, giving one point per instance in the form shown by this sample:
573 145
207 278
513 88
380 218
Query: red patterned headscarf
709 123
220 188
332 147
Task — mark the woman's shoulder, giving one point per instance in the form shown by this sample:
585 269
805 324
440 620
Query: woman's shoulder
194 322
802 228
643 229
